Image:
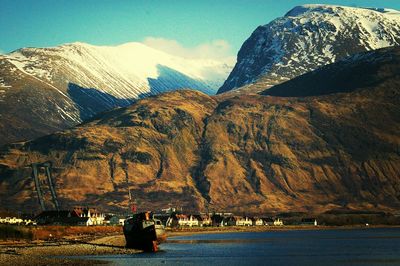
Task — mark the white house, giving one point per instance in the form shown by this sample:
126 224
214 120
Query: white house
243 221
187 220
121 221
278 222
259 222
97 218
206 220
11 220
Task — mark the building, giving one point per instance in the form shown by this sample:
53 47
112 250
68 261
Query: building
11 219
190 220
206 220
258 222
237 221
96 217
263 221
243 221
278 222
187 220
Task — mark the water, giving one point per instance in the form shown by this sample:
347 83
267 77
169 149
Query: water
316 247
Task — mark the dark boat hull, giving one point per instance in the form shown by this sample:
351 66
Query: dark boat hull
140 233
144 239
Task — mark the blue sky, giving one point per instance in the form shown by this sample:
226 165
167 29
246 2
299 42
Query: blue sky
219 26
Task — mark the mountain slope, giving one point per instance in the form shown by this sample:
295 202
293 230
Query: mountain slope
76 81
245 154
306 38
364 70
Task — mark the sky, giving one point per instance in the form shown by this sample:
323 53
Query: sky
204 28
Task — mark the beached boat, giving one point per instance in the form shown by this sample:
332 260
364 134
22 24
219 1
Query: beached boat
143 232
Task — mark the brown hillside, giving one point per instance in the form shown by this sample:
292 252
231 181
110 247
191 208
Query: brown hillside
245 154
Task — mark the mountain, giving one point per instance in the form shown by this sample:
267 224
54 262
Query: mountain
43 90
339 149
364 70
306 38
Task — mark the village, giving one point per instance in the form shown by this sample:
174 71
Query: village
170 218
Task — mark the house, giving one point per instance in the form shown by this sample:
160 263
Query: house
187 220
309 221
278 222
205 220
183 220
96 216
10 218
237 221
243 221
258 222
263 221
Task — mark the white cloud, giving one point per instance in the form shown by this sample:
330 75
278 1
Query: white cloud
219 50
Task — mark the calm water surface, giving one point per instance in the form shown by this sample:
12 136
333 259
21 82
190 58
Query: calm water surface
327 247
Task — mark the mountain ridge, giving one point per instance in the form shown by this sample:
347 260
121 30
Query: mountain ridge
75 81
306 38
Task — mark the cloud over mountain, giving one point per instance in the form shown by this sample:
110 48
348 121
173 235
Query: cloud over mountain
219 50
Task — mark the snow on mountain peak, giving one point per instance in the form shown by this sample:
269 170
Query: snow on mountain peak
307 37
300 10
130 67
336 9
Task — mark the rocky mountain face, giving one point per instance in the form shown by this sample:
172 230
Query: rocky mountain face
43 90
247 153
306 38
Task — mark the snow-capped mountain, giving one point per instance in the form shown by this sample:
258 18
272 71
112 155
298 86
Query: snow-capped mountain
308 37
46 89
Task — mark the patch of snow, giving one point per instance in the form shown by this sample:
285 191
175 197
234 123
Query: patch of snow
126 71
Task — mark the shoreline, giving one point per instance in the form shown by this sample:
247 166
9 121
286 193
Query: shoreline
63 251
242 229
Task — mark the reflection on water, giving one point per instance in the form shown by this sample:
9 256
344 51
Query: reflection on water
332 247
